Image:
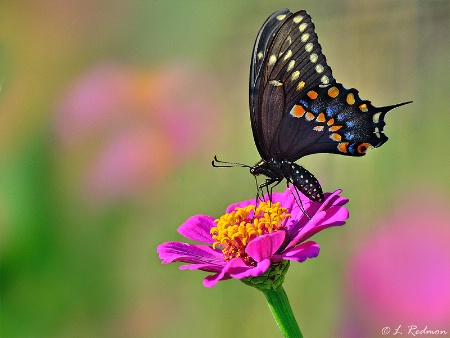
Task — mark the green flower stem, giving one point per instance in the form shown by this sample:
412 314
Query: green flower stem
282 312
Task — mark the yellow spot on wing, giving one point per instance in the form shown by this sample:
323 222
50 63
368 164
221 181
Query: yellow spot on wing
300 85
302 27
350 98
281 17
363 107
295 75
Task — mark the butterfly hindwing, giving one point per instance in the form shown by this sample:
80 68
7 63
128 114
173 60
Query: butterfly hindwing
332 119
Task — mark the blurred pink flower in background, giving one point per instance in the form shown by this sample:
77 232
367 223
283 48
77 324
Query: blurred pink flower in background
131 126
401 274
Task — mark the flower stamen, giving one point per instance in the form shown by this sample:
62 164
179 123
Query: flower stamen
237 228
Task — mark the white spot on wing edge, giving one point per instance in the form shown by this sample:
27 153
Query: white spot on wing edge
305 37
276 83
298 19
295 75
302 27
272 59
325 80
313 57
376 117
377 132
281 17
260 55
288 55
291 65
318 128
309 47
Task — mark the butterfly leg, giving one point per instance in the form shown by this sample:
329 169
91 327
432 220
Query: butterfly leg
297 198
269 184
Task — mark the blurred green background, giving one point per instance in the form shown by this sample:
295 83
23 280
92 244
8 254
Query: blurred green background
110 113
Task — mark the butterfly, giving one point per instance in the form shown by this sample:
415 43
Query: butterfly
297 108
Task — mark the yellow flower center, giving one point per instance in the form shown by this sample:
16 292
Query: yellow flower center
237 228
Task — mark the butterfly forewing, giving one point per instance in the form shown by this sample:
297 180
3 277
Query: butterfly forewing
259 57
287 61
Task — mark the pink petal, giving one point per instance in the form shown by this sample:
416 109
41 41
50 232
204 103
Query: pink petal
236 268
203 267
197 228
236 265
265 246
299 236
300 253
189 253
254 271
335 216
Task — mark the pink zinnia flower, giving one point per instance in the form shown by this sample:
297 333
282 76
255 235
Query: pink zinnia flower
247 240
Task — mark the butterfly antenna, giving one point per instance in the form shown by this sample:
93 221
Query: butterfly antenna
216 163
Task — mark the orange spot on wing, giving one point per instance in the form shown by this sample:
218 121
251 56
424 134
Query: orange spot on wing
297 111
342 147
334 128
309 116
320 118
312 94
333 92
362 148
363 108
336 137
330 122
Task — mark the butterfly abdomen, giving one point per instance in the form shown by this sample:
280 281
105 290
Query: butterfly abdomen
303 180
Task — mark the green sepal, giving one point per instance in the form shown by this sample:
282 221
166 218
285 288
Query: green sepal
272 279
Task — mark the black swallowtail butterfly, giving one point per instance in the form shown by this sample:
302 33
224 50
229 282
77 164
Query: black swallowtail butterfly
297 108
